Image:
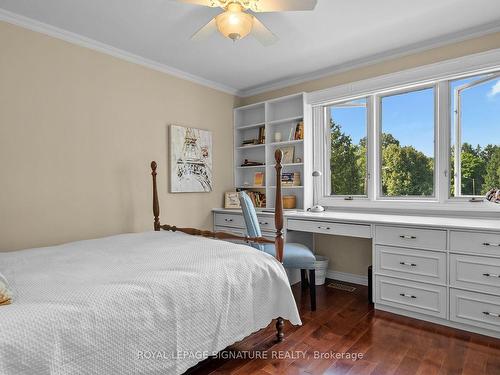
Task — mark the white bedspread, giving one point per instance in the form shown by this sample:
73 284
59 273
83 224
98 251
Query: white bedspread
148 303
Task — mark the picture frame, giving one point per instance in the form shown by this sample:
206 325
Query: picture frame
231 199
288 154
190 160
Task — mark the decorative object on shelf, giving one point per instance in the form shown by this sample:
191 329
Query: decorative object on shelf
246 183
248 163
289 201
298 160
493 195
190 160
249 142
299 131
231 200
258 179
258 198
288 154
277 137
291 135
316 208
262 135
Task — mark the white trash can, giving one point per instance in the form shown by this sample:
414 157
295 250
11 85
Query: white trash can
321 265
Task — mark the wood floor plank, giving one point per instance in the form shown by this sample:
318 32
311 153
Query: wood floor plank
345 324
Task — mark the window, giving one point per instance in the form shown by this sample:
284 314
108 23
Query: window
407 144
347 126
389 142
475 115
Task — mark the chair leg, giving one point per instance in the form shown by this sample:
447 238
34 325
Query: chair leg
312 288
303 279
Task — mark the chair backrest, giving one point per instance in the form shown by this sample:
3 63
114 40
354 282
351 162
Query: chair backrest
250 216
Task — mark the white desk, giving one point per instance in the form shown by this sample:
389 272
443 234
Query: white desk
440 269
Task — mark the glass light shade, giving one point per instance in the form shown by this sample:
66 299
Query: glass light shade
233 23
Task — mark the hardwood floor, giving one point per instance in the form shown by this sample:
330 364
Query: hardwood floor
345 323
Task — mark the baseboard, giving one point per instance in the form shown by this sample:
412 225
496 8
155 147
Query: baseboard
347 277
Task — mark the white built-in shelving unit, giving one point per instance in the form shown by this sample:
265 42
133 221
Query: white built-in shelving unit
277 115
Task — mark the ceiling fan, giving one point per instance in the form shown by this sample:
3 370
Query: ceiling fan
236 22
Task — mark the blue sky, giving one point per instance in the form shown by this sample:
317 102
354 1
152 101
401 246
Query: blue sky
410 117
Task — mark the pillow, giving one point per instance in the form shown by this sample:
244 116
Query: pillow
5 293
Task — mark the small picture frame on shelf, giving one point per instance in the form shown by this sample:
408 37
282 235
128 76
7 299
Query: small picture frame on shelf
288 154
231 199
258 179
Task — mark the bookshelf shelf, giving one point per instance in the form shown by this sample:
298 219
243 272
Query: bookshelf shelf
279 115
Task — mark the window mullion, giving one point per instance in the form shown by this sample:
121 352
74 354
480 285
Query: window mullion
443 141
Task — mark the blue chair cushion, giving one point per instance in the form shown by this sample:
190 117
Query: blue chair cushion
250 216
295 255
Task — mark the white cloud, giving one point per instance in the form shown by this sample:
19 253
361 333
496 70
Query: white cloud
495 90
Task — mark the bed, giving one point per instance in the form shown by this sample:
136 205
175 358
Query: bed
146 303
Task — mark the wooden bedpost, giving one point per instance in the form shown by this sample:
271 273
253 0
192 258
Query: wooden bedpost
278 241
156 204
278 213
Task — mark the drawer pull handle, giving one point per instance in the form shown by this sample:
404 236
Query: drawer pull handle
263 223
408 264
407 295
408 237
229 220
491 275
491 314
327 228
491 244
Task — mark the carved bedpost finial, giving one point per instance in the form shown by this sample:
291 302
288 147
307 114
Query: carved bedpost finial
156 205
278 214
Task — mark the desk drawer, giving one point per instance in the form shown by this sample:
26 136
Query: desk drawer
477 309
419 265
266 223
431 239
230 220
412 296
339 229
476 273
475 242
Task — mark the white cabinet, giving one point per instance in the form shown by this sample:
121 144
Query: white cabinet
413 296
412 264
411 237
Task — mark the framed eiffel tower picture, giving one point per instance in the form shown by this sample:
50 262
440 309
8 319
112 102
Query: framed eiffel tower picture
190 160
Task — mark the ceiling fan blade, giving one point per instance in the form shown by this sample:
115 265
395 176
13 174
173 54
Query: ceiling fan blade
262 33
205 31
283 5
207 3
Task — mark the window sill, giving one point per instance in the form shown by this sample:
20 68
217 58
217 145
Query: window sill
449 208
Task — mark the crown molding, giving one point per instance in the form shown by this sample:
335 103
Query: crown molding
43 28
460 36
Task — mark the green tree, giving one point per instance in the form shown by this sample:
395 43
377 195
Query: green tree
473 169
346 178
492 179
406 171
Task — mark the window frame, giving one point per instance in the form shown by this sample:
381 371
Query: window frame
327 145
438 75
456 129
378 128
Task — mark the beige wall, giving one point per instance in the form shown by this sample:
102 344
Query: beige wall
352 255
77 132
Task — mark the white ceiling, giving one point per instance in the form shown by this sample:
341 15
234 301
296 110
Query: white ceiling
336 33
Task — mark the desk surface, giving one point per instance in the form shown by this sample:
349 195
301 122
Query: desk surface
389 219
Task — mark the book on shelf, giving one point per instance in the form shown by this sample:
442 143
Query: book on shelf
290 179
258 198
